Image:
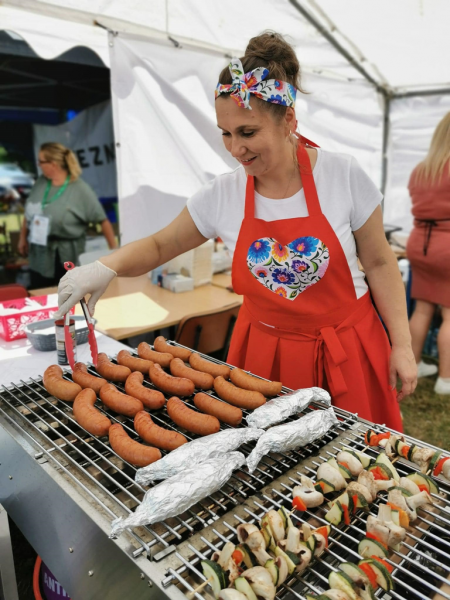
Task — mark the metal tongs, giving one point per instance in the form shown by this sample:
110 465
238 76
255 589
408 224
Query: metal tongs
69 342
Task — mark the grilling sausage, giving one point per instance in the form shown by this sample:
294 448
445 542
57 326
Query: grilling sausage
242 398
155 435
152 399
181 386
109 370
162 358
118 402
88 416
133 452
202 381
191 420
248 382
161 345
125 359
223 411
81 376
57 386
201 364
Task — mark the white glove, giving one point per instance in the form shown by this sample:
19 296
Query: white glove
92 279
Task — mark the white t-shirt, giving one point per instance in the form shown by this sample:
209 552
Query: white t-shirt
347 197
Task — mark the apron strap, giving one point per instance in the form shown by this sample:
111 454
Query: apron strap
312 199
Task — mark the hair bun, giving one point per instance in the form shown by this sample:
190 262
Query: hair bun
272 49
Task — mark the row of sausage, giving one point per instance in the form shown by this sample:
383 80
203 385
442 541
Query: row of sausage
183 380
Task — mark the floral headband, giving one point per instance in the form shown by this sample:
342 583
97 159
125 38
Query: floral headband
254 82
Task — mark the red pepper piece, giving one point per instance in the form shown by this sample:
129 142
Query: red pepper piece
298 503
383 562
346 515
440 464
370 574
237 556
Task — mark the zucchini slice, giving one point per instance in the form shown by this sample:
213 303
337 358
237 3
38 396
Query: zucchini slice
284 514
385 469
383 576
312 544
291 565
382 459
249 558
243 586
361 502
337 580
273 570
368 547
333 463
346 499
214 572
356 574
434 460
411 452
401 489
324 486
335 515
422 479
364 458
346 474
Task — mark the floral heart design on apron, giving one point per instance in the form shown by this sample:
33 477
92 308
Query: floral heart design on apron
288 270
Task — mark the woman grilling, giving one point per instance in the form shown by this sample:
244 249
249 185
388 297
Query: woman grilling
295 218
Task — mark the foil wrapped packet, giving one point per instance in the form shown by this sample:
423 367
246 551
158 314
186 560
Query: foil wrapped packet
281 408
196 452
178 493
292 435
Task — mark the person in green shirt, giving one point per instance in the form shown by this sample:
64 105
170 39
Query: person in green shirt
57 212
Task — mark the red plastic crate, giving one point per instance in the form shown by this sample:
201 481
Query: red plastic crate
12 326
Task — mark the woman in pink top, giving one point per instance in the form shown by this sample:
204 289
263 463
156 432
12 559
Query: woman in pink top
429 252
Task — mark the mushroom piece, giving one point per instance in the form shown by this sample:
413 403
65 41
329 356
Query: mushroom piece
378 529
366 479
310 497
276 525
358 487
382 484
446 470
408 484
327 472
321 544
261 582
396 497
397 534
293 540
257 545
422 457
231 594
283 570
414 502
354 465
305 558
244 530
335 595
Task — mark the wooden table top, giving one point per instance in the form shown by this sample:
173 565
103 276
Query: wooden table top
134 306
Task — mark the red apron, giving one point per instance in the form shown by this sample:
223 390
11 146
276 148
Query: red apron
301 322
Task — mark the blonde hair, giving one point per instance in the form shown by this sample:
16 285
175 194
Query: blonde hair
432 168
62 156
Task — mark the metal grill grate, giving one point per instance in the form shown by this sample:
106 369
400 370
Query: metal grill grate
421 567
108 480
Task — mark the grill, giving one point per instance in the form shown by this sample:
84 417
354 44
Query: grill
167 555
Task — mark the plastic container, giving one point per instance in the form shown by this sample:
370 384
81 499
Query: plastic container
42 335
15 315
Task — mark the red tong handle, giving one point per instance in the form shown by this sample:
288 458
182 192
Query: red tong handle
69 342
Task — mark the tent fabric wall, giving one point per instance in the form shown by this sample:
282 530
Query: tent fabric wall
169 144
413 121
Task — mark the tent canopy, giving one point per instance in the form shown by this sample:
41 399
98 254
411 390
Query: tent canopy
377 72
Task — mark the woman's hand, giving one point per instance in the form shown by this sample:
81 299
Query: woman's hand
402 364
22 246
92 279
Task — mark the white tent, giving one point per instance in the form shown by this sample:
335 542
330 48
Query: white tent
377 72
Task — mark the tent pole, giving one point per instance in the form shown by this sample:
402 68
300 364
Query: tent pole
384 164
327 35
413 94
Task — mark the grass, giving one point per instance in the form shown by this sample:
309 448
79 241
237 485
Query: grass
426 415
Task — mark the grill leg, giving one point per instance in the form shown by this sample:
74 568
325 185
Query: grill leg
8 584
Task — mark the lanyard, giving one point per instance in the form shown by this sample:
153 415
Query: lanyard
59 193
